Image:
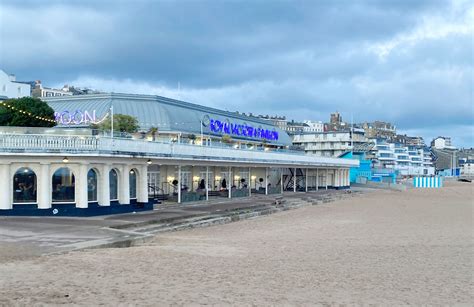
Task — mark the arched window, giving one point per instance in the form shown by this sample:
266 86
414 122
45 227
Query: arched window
133 183
24 186
63 185
92 185
113 182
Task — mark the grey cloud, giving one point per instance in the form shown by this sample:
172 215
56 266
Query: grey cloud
299 58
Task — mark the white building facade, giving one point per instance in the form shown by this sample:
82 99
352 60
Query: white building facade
328 144
10 88
407 160
313 126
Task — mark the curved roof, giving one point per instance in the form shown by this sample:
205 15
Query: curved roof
164 113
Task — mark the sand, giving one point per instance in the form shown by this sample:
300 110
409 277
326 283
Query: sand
387 247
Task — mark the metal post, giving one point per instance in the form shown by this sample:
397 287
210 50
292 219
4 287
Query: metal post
111 121
179 184
207 182
306 181
294 181
230 182
266 181
202 137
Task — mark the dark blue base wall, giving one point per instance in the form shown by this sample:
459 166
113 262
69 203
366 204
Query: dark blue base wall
71 210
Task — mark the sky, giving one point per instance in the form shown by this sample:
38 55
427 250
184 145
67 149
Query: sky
408 62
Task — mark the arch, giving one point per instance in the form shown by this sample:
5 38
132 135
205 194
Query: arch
133 175
24 186
114 184
63 185
92 185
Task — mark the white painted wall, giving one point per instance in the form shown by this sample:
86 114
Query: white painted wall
12 89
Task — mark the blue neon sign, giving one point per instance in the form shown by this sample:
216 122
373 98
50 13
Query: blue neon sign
218 126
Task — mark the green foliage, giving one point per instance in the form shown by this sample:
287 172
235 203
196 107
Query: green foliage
122 123
226 138
34 106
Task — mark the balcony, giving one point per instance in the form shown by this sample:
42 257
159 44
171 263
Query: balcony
105 146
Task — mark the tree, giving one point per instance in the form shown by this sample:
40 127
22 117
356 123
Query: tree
26 112
122 123
226 139
153 131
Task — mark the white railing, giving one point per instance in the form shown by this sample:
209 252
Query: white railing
80 144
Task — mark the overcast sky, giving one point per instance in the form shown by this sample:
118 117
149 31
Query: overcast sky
404 61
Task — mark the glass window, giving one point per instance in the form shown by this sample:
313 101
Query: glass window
133 183
113 183
63 185
92 185
24 186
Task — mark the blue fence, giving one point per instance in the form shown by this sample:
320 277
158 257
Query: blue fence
427 182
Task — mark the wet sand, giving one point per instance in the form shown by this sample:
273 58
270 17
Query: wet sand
387 247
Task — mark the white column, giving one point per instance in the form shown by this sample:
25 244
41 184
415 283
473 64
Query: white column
281 180
44 188
306 181
5 185
266 181
142 184
81 186
179 184
327 176
317 179
124 186
207 182
348 177
336 177
294 180
250 182
229 184
104 185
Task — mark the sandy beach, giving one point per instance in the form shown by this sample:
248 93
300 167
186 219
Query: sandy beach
386 247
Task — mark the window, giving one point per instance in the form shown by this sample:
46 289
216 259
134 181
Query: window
24 186
63 184
133 183
113 183
92 185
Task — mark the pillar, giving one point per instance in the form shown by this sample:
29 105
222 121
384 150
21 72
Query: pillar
44 187
317 180
250 182
230 182
179 184
81 186
266 180
104 185
142 184
207 182
5 185
124 186
281 180
294 180
306 181
326 179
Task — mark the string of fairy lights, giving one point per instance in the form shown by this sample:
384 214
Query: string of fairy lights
2 103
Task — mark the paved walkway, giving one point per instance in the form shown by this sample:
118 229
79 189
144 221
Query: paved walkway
24 237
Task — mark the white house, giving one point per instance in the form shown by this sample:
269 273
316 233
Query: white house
10 88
